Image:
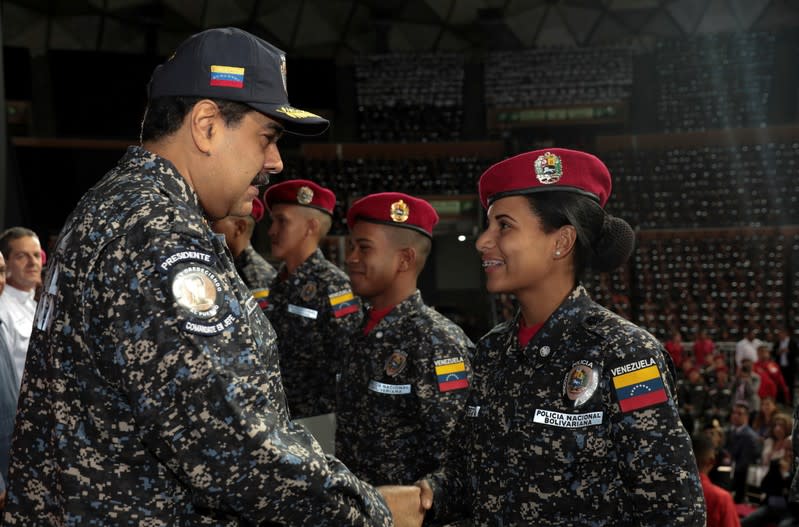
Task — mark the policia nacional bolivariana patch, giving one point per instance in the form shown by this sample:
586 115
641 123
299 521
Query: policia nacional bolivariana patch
199 290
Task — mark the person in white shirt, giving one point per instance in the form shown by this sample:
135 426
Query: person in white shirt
746 348
23 254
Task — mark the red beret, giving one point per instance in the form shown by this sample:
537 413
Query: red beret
257 210
546 170
395 209
301 192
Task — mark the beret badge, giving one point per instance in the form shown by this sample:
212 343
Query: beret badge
304 195
400 211
548 168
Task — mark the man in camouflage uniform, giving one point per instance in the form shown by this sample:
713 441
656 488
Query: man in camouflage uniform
572 419
402 390
254 270
146 400
310 302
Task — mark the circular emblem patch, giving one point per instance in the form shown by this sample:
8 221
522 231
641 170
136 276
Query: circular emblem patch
400 211
308 291
197 288
548 168
581 382
304 195
396 363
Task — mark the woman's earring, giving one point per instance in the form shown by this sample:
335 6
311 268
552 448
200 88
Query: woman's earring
557 253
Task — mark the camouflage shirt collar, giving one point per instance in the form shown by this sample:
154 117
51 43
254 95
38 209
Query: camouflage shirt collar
573 309
410 305
163 174
307 267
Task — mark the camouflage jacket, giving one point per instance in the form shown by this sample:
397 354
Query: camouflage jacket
578 428
401 394
313 312
254 270
152 392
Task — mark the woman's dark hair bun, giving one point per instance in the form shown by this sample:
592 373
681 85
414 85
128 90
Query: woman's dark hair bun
614 245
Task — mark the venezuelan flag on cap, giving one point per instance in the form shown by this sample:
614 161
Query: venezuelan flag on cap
344 303
451 375
229 76
640 386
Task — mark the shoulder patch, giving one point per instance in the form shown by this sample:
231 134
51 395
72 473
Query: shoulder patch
344 303
197 288
638 385
451 374
262 297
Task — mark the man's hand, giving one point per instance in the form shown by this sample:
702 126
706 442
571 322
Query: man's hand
404 501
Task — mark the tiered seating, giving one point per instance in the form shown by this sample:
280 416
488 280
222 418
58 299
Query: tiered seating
556 77
410 97
718 186
720 282
714 81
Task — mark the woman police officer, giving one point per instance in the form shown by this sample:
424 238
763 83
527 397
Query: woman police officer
572 419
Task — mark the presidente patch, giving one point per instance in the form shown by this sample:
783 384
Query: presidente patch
197 288
396 363
638 385
580 382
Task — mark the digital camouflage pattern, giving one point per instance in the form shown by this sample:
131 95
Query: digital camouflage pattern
313 312
402 393
152 391
254 270
579 428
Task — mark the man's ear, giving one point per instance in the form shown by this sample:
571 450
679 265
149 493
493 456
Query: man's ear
241 226
203 123
407 259
313 227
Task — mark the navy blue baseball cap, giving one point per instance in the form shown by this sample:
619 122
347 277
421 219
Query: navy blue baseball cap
234 65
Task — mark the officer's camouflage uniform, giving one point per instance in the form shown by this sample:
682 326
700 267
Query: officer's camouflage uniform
313 313
136 410
395 416
530 457
254 270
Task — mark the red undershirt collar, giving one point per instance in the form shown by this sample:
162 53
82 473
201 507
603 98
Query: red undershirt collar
374 316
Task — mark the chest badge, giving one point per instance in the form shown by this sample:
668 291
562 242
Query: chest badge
396 363
581 382
308 291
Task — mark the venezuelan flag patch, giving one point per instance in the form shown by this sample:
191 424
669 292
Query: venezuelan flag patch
227 76
638 385
344 303
262 297
451 374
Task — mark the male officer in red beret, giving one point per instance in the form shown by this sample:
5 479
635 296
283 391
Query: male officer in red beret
403 387
254 270
310 302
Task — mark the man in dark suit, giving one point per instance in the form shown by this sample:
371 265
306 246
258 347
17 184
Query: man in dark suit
785 351
742 444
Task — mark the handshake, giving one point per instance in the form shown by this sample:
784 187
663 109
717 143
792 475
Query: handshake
408 503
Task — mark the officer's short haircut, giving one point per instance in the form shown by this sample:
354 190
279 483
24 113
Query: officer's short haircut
164 115
401 238
703 449
324 219
11 234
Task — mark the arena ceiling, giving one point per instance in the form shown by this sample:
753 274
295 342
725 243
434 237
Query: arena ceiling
341 29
